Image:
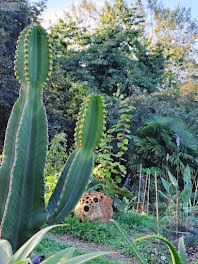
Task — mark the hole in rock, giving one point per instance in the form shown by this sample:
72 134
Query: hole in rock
95 199
86 208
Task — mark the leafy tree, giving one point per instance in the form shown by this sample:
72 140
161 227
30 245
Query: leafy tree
164 103
102 51
177 32
109 56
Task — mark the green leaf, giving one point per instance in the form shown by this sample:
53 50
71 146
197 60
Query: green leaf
182 251
132 246
172 179
27 248
165 184
106 156
123 116
174 255
125 148
114 171
122 110
119 144
163 195
85 257
5 251
187 175
126 141
23 262
122 168
60 256
128 136
186 194
118 179
161 250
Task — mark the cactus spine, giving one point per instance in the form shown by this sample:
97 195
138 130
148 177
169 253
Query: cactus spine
23 210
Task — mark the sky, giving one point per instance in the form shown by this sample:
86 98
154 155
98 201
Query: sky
55 7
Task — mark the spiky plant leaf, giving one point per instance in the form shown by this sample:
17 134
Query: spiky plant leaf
182 251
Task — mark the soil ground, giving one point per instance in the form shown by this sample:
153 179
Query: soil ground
92 247
118 256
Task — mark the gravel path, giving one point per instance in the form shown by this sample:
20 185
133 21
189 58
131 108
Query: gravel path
92 247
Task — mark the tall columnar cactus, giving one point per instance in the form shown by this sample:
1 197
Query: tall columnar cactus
22 205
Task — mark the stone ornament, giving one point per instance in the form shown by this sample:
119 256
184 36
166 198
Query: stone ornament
95 207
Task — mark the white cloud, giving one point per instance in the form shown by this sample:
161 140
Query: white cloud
51 15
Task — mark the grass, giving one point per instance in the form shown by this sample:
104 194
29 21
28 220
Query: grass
49 247
107 234
135 225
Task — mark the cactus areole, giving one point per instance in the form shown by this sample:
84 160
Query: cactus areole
23 210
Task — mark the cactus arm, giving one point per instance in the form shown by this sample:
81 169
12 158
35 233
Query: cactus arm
77 135
10 137
76 181
25 211
76 173
54 199
90 123
93 123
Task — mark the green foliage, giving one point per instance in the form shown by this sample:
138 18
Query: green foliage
163 103
166 143
56 158
107 234
111 169
138 222
176 31
111 55
22 169
176 258
185 198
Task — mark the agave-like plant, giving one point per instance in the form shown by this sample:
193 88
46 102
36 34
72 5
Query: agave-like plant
64 256
175 257
23 210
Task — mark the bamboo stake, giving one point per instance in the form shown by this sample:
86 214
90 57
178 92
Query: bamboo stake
177 206
157 209
149 179
139 188
196 188
145 191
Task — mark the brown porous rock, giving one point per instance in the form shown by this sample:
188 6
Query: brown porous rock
94 207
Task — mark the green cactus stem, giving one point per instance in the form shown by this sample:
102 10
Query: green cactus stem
23 210
79 166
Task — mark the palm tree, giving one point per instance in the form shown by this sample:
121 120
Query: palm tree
165 143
